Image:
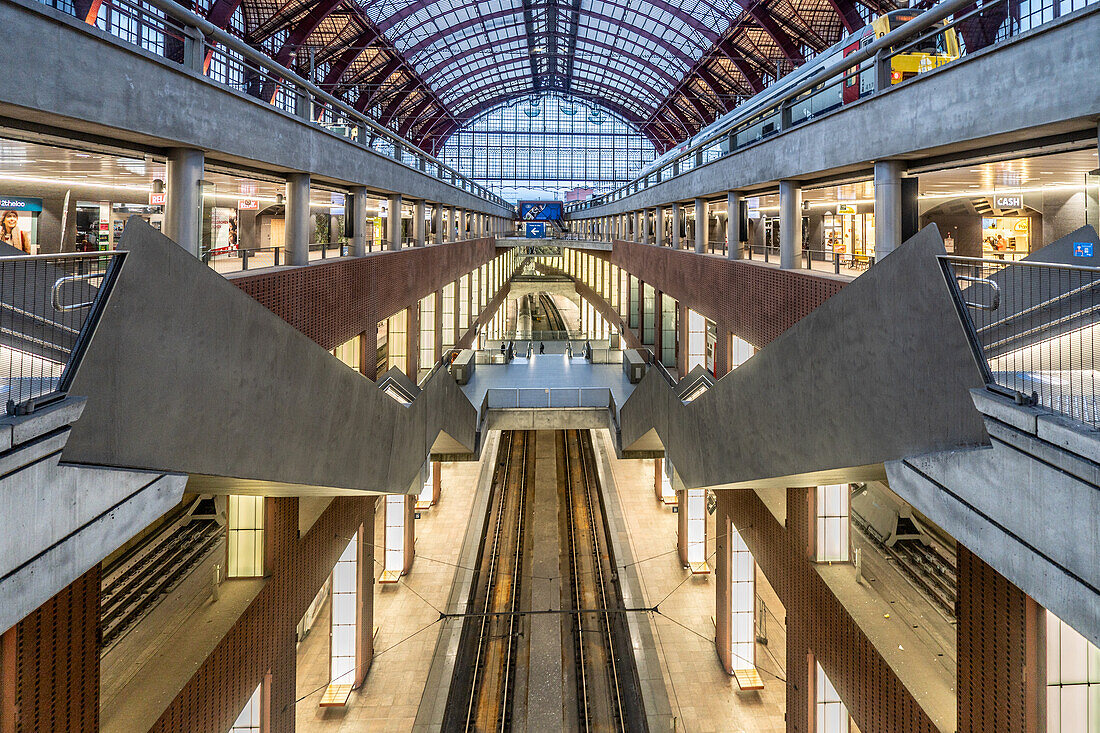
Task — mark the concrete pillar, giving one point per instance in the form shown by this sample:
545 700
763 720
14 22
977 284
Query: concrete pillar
790 225
887 206
183 202
358 214
733 225
461 225
677 221
437 223
297 219
646 233
449 232
393 223
418 223
659 226
700 226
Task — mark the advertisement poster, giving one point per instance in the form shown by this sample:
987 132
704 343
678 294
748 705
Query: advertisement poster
19 222
223 230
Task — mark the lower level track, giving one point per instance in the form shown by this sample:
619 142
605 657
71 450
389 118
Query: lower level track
607 696
494 669
481 697
132 588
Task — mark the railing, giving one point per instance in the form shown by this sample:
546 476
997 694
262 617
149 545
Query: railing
1033 329
49 306
805 94
547 397
175 34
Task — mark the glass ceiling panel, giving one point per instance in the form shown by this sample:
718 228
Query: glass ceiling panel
631 54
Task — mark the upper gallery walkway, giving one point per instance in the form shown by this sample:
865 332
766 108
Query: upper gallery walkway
804 129
171 84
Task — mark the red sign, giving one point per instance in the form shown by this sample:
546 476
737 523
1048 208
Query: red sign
247 204
157 199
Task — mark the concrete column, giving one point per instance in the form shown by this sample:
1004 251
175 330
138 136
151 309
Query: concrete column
393 223
700 226
887 206
461 224
452 216
677 220
358 213
437 223
659 226
733 225
183 200
645 226
790 225
297 219
723 595
418 223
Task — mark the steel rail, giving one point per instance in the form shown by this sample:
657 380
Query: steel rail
493 555
601 583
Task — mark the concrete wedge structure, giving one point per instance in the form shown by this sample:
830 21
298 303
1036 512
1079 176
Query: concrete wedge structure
880 371
272 412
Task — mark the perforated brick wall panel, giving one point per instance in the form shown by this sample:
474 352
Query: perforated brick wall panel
263 639
335 301
999 630
56 662
749 300
817 621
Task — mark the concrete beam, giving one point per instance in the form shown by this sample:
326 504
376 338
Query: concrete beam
258 422
894 326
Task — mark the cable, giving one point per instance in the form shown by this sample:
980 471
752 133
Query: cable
708 640
373 657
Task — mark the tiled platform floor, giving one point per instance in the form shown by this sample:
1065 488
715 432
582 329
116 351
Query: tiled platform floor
702 696
389 699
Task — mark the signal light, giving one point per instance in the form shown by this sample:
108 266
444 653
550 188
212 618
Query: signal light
895 75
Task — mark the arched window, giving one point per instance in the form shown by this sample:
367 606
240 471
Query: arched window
548 144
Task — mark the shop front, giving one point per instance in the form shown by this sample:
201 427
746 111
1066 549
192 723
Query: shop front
849 233
1001 227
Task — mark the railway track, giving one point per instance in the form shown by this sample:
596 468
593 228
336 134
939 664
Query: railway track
133 586
602 676
554 321
927 567
483 688
597 673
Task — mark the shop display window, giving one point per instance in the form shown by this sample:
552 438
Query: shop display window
1006 237
850 236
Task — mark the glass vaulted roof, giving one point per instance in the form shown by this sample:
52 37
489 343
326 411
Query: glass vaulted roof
629 55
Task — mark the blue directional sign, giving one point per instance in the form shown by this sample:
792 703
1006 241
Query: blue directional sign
1082 249
536 230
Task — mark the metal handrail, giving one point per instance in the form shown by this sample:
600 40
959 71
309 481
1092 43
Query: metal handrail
174 11
881 49
61 281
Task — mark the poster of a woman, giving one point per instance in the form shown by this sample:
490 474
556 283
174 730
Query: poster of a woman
10 233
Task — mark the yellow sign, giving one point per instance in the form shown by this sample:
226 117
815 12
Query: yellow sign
845 209
1021 225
